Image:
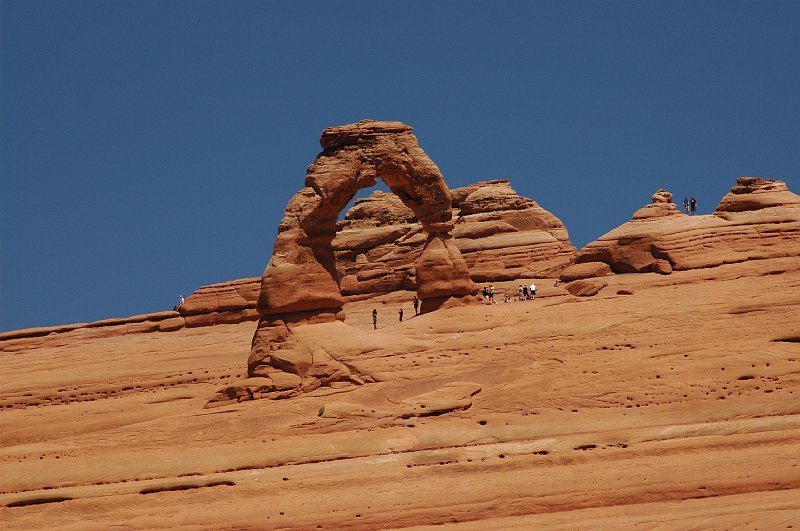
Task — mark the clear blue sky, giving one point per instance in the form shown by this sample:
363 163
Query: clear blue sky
149 147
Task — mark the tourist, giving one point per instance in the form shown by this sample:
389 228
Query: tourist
401 314
533 291
519 292
693 205
491 295
178 306
485 294
524 293
416 304
685 205
374 319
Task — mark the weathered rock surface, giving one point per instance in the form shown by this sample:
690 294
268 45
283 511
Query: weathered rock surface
586 270
682 395
302 275
759 219
501 235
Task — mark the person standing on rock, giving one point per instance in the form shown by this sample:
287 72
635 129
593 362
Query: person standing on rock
374 319
491 294
693 205
524 296
179 305
416 305
485 294
533 291
685 205
400 312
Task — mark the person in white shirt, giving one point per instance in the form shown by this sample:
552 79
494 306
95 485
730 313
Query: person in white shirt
533 291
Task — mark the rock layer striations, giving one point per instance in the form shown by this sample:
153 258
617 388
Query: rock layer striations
301 286
501 235
759 219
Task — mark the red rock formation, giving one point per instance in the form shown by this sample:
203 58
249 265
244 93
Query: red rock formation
504 236
501 235
758 219
301 283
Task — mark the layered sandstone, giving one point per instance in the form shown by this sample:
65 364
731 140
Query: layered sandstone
681 394
759 219
501 235
301 287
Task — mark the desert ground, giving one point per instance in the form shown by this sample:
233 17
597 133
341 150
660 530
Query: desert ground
663 402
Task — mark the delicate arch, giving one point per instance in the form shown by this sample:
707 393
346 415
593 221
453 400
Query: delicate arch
301 276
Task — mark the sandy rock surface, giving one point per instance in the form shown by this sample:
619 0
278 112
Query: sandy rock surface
662 401
759 219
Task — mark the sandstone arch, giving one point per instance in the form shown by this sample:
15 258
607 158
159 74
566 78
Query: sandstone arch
354 156
300 284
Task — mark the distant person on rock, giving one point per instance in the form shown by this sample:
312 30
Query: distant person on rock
693 205
416 305
685 205
524 293
400 312
533 291
491 294
178 306
374 319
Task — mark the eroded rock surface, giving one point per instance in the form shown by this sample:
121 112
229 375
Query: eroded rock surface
759 219
500 234
301 277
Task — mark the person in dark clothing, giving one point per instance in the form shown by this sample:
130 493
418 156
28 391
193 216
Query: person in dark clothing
374 319
524 292
400 312
416 304
693 205
685 205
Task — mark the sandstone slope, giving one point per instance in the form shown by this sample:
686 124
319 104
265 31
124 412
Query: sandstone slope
670 401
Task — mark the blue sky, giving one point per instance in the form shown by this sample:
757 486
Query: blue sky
149 147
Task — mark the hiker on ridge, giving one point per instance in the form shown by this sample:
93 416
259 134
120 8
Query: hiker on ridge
374 319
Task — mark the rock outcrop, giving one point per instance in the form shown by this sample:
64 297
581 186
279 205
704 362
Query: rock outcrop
758 219
301 285
501 235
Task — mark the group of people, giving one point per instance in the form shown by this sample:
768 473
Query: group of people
524 293
414 301
690 206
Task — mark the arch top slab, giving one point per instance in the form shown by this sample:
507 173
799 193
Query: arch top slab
360 132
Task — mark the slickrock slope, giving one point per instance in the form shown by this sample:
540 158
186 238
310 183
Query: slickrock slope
663 401
758 220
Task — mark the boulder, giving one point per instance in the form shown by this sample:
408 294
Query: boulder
585 270
586 287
